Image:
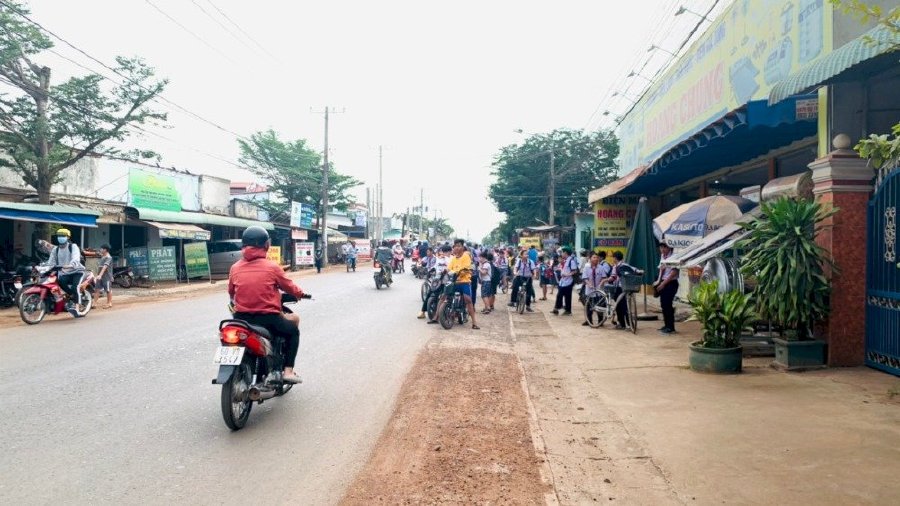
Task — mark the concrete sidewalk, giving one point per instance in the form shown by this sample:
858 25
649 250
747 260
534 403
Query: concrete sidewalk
167 290
623 419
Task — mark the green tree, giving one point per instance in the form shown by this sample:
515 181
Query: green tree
293 171
45 128
582 161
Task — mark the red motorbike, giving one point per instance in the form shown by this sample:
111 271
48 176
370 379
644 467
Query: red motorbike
46 296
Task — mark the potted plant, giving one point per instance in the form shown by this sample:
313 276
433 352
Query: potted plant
723 319
790 268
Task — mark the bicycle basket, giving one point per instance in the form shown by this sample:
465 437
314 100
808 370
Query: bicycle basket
632 282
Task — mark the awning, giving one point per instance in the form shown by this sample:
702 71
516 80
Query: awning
181 231
47 213
877 41
722 239
196 218
739 136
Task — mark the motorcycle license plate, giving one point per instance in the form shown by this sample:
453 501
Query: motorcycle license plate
229 355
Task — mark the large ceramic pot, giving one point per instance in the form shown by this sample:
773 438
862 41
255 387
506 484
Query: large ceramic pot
715 360
799 355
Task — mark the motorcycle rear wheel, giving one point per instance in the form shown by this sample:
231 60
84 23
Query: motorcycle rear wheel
426 289
33 309
124 281
235 410
431 307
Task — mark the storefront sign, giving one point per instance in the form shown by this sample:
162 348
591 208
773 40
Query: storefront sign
529 241
248 210
302 215
196 259
303 252
363 250
613 220
360 219
748 49
138 260
274 254
192 235
153 191
163 262
299 235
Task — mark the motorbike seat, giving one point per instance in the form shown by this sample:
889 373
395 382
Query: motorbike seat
262 331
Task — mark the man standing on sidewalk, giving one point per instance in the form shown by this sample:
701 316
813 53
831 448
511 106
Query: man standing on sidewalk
666 288
566 282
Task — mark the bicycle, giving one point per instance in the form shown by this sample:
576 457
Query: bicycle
598 309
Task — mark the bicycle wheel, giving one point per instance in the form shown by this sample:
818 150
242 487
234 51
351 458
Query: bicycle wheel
632 312
595 310
520 301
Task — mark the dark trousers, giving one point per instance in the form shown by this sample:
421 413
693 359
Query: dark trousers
667 301
277 325
621 307
564 296
529 289
69 283
474 287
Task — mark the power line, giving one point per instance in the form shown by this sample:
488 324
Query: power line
220 11
157 98
221 25
188 30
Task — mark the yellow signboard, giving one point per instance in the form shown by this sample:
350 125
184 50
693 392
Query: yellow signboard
527 242
274 254
613 220
748 49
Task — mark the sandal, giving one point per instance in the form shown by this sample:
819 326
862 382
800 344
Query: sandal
475 327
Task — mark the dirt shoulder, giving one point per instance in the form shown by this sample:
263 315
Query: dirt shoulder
460 431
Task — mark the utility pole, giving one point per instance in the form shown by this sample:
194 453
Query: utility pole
324 233
421 209
552 185
380 197
368 210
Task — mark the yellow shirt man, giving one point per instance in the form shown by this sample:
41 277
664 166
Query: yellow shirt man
458 263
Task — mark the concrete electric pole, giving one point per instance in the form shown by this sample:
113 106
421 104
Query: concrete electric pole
323 237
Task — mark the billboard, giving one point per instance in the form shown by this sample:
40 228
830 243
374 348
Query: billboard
196 259
613 220
302 215
746 51
152 191
303 252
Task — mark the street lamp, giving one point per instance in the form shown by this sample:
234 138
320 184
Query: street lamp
681 10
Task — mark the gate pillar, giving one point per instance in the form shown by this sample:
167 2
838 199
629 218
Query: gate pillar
842 179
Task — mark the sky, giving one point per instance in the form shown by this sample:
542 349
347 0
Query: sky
442 86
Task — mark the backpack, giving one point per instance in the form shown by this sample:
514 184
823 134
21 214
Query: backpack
576 276
496 275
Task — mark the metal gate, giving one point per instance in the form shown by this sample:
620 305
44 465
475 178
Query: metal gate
883 278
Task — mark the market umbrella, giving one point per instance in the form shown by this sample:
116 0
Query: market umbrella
688 223
643 250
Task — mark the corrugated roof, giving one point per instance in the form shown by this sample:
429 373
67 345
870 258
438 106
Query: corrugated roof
876 41
47 208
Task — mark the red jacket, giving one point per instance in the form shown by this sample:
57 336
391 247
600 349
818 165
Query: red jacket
254 283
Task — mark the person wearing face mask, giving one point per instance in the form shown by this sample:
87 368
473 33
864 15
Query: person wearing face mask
67 256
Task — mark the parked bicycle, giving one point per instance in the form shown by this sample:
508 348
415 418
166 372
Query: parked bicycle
600 305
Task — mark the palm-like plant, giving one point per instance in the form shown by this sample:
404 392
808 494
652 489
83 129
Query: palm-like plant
722 317
781 252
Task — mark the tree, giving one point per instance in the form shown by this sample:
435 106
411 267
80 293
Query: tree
293 171
45 128
583 161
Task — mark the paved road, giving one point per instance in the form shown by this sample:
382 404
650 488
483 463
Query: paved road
118 407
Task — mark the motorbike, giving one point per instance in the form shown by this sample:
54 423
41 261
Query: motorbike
435 287
123 276
351 263
397 263
380 276
10 284
35 274
251 361
46 296
454 307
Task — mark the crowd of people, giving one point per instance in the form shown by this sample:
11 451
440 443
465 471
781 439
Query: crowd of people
557 270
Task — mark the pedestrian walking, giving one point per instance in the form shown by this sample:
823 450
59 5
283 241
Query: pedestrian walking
485 271
104 276
568 273
666 287
318 260
546 278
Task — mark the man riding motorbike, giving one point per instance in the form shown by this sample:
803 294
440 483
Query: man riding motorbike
254 284
384 256
67 256
352 252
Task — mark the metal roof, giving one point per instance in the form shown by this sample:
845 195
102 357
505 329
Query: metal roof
877 41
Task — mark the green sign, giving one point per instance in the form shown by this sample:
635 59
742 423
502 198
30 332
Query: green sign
152 191
196 259
163 263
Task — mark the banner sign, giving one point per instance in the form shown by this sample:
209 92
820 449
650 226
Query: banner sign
152 191
746 51
299 235
302 215
527 242
138 260
163 263
360 219
274 254
613 220
196 259
303 252
193 235
363 250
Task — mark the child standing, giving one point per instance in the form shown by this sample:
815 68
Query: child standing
105 276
